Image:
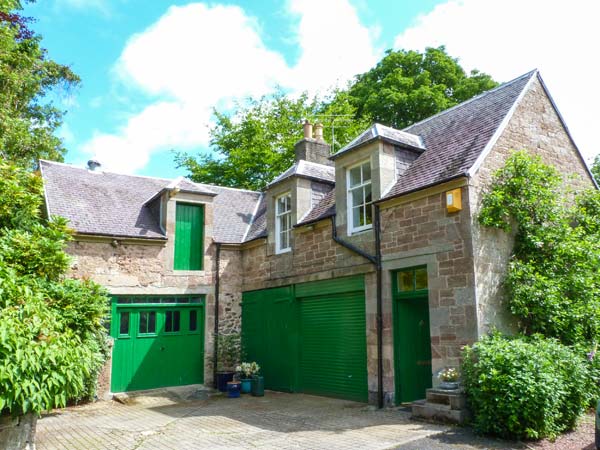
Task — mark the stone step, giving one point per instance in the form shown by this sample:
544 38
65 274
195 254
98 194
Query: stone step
437 412
456 399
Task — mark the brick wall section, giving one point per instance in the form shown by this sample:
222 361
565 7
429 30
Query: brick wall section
535 127
422 232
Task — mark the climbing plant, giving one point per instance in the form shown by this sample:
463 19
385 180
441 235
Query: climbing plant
552 283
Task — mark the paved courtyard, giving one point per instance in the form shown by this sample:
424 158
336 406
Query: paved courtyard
179 419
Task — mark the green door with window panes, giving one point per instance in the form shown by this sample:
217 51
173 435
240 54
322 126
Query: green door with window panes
412 341
159 342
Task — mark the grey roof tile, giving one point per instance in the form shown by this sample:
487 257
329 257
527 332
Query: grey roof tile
258 227
325 208
307 169
110 204
455 138
379 131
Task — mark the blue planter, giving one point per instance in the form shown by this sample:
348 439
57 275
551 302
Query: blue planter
233 389
246 385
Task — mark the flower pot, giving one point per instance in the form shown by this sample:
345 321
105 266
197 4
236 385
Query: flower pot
233 389
449 385
258 386
246 385
222 379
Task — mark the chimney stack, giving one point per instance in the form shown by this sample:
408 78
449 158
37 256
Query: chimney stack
319 131
308 129
93 164
313 148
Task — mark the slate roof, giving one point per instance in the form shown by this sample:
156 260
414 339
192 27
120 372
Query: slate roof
389 134
308 169
258 227
325 208
456 137
110 204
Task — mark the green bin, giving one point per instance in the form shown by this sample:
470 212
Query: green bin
258 386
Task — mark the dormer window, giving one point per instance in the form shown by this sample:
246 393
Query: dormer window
359 197
283 222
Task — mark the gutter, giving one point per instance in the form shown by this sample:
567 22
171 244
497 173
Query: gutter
376 261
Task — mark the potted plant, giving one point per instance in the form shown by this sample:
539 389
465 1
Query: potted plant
449 378
228 356
246 371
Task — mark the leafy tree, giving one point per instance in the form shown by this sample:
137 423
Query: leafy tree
256 143
52 340
408 86
28 79
596 168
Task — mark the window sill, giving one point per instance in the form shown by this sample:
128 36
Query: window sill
360 230
284 251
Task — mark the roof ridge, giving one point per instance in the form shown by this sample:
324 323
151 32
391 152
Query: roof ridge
106 171
483 94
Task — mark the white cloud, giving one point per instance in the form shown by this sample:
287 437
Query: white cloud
509 37
196 57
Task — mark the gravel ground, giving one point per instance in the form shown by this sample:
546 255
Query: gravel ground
581 438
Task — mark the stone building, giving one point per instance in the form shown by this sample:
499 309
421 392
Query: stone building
357 275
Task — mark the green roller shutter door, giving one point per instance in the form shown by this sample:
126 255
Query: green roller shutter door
270 335
333 351
310 337
189 237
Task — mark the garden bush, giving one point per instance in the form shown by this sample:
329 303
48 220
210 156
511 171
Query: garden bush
525 387
52 338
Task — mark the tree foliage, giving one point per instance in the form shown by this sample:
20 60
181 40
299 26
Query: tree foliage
28 80
596 168
408 86
552 281
52 340
255 143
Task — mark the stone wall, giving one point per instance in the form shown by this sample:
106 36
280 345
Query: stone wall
535 126
420 231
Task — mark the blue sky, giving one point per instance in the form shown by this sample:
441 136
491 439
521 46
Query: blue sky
152 70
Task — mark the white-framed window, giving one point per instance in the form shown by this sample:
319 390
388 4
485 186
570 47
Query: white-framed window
283 222
359 197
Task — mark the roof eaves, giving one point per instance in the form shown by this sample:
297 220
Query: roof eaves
122 236
315 220
490 145
420 188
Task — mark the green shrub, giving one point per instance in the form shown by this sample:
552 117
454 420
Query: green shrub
525 387
52 340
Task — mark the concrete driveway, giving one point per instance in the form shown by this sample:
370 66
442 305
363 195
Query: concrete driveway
193 418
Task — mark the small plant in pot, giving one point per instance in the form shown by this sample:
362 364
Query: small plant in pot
449 378
246 371
228 357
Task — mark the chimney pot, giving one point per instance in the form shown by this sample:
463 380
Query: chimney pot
93 164
308 129
319 131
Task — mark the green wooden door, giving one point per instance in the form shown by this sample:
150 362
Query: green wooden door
270 335
189 237
412 342
158 342
333 347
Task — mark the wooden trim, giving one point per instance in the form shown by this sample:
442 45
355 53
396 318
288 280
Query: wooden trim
437 189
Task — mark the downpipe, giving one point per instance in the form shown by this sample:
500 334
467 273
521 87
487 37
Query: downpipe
216 330
376 261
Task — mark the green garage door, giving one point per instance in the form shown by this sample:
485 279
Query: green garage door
270 335
159 341
333 350
309 337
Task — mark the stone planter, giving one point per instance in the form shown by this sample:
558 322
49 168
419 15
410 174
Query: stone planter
18 433
449 385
